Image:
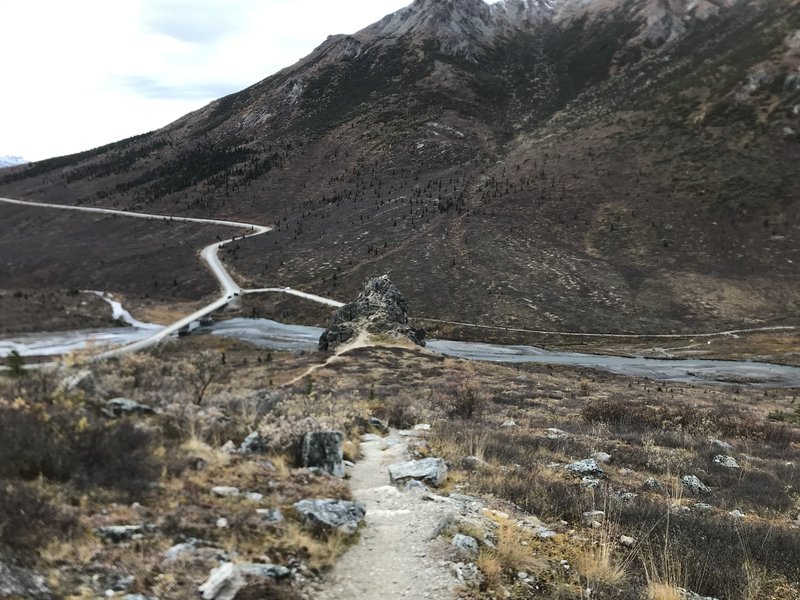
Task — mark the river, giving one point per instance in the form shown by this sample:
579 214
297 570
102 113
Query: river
272 335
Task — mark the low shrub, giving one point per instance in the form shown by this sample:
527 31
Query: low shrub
61 445
28 520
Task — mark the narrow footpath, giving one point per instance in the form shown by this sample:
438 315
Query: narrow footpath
399 554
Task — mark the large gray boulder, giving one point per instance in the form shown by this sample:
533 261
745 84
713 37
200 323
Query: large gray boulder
331 514
379 309
323 450
22 583
432 471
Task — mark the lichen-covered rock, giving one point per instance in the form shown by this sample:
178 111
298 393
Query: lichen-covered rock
331 514
323 450
586 468
379 309
432 471
694 486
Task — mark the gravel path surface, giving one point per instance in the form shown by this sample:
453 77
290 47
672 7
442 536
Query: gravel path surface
396 556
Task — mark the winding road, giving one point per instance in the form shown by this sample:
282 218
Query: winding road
264 332
210 254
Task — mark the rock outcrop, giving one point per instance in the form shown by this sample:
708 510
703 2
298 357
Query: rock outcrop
379 309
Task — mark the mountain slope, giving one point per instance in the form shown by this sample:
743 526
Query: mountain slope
617 165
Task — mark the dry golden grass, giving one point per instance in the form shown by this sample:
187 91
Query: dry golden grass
663 591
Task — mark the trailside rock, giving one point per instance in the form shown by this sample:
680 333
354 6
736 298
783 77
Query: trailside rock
466 546
694 486
323 450
22 583
331 514
429 470
379 309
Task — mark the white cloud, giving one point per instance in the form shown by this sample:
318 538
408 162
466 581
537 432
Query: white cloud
80 74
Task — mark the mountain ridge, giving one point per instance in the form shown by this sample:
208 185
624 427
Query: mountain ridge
620 165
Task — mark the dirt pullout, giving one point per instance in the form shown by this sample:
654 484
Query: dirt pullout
396 556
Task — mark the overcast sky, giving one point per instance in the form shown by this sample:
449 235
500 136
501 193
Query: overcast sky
78 74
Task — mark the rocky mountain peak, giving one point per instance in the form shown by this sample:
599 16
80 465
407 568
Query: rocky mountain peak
461 27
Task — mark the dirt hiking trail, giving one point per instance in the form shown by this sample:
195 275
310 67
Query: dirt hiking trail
397 555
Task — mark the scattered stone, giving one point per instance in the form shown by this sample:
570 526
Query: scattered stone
229 447
331 514
602 457
593 516
253 496
726 461
545 533
138 597
522 576
270 515
473 463
415 487
586 468
654 485
192 547
626 497
694 486
22 583
224 491
253 444
379 425
509 424
116 534
703 507
466 573
736 514
323 450
429 470
627 541
721 446
445 524
591 483
264 571
379 309
222 523
122 407
553 433
422 427
82 380
223 583
687 595
466 546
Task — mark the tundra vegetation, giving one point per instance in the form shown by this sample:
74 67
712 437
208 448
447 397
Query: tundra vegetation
72 469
